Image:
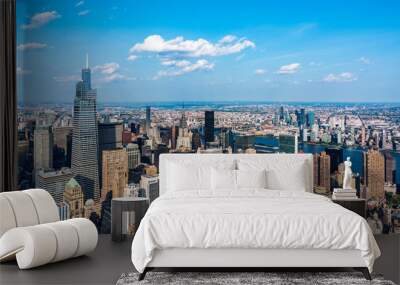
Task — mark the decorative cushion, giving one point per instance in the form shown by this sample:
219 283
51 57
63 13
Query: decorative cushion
251 178
293 180
223 179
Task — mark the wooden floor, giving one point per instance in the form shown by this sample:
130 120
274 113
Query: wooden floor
103 266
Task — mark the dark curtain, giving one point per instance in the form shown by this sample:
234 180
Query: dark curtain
8 97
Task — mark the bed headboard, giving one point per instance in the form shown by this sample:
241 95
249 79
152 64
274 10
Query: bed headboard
208 159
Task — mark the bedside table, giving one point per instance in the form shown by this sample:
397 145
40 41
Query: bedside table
138 205
356 205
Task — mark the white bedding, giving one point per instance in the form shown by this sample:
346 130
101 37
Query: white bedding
251 218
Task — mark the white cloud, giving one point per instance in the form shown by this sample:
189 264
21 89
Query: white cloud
132 57
67 78
110 73
41 19
227 39
260 71
289 69
191 48
183 67
83 13
107 68
80 3
342 77
116 77
364 60
177 63
21 71
32 45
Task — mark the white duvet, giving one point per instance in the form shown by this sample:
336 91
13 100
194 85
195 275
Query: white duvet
250 219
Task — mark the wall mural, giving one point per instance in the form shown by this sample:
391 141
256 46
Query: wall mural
105 87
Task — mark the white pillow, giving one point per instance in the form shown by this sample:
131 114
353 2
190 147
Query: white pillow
189 175
293 179
183 177
223 179
251 178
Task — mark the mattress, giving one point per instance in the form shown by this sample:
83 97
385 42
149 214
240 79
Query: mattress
250 219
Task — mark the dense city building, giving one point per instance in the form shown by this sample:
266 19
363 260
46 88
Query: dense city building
288 143
110 137
150 185
43 148
53 181
115 172
73 196
375 174
322 173
133 151
148 119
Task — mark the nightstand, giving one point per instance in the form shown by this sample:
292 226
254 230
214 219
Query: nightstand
126 205
356 205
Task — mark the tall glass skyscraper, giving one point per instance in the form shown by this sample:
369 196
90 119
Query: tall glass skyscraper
85 138
148 119
209 126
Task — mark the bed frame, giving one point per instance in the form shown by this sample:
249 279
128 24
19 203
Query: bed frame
242 259
260 259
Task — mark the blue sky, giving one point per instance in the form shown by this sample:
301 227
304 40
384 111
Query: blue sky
210 50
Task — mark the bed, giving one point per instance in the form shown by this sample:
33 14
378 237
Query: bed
215 211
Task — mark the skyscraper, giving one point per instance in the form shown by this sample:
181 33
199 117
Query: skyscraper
363 136
53 182
389 168
209 126
310 119
133 152
148 118
43 148
302 117
325 171
62 146
336 155
85 138
196 140
288 143
150 185
115 172
375 174
110 137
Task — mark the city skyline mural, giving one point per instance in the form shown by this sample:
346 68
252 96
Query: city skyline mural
105 88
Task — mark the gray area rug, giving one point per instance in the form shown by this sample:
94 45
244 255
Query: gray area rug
228 278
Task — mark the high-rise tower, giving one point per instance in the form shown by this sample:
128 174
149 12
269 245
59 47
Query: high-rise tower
209 126
148 119
84 162
375 174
